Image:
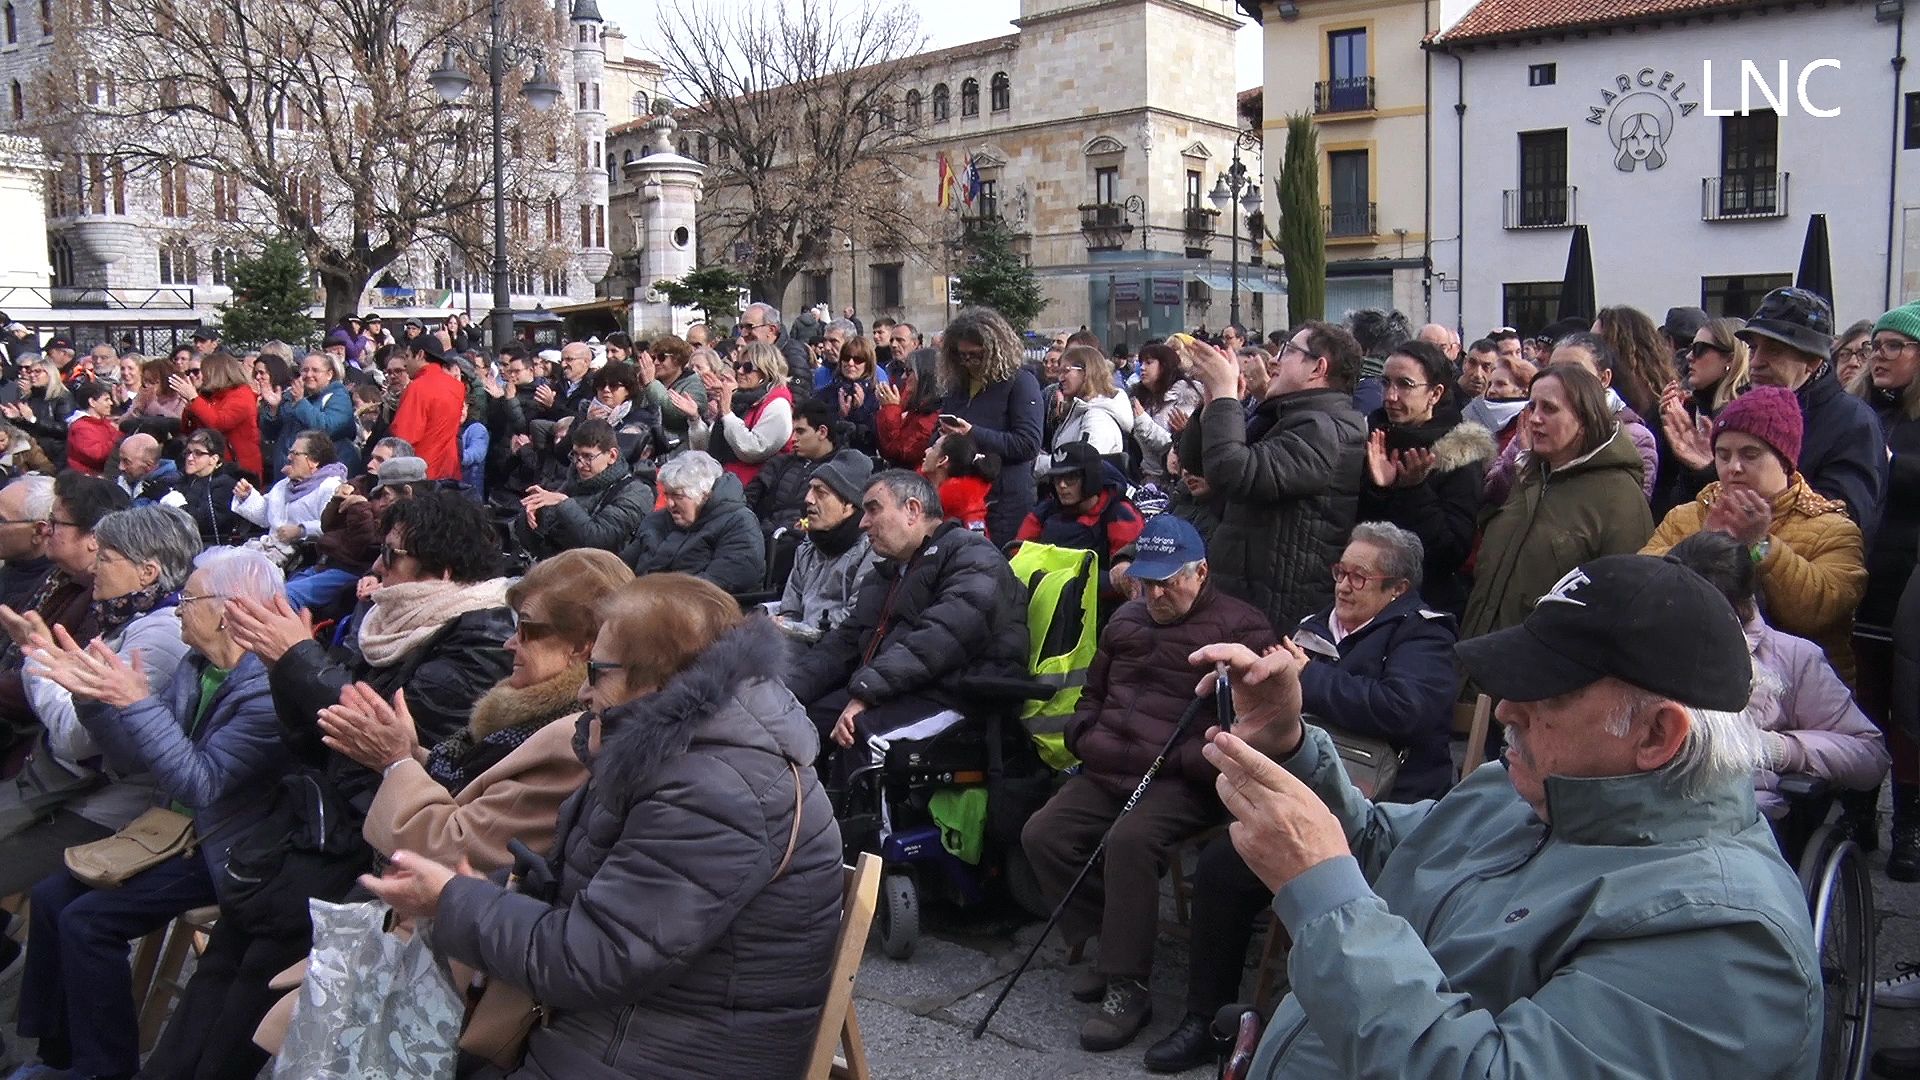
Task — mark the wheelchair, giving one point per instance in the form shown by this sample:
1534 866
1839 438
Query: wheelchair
1007 743
1834 879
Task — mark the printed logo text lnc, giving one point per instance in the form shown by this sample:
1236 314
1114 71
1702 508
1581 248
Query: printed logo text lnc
1773 96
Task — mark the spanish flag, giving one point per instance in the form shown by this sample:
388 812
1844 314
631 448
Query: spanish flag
945 199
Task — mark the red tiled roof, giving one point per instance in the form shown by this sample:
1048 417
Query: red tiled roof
1490 19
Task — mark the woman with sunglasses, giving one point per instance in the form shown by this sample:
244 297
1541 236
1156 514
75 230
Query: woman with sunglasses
222 399
1716 374
43 408
754 414
207 492
854 392
698 879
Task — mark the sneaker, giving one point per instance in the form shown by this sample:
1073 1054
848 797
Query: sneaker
1124 1011
1087 985
1902 991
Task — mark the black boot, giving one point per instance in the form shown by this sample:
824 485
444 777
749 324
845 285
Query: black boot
1188 1045
1903 854
1860 818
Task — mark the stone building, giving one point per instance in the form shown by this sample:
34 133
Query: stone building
1098 128
126 261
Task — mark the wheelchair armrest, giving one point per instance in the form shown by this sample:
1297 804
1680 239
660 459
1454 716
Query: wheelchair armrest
1797 786
998 690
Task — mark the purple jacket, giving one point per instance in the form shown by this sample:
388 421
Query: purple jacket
1797 695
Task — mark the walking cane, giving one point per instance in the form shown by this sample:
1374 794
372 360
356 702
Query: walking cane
1225 709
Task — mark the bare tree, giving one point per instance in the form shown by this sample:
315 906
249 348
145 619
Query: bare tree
803 104
314 121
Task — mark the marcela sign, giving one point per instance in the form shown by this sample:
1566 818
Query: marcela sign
1639 111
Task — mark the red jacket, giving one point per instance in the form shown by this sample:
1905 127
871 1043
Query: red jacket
235 413
903 436
963 499
429 418
90 440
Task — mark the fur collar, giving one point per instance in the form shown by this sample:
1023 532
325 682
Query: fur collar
1464 445
732 693
506 706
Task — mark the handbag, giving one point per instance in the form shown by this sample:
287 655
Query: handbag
1372 764
141 844
44 784
503 1016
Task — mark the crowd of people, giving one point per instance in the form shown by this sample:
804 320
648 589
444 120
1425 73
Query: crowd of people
397 615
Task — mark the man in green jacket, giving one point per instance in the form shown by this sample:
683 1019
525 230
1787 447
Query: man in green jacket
1607 902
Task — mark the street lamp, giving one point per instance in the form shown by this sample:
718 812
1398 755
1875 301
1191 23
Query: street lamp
497 52
1228 190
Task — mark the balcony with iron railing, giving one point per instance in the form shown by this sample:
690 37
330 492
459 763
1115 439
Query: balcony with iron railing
1743 196
1105 226
1343 96
1199 220
1538 208
1350 220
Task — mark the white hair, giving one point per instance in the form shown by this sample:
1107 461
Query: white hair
38 503
768 313
234 572
1401 552
691 473
1719 745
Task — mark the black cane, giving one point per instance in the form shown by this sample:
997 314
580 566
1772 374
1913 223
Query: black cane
1179 729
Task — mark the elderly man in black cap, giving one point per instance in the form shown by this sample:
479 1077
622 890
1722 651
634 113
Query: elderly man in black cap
1608 901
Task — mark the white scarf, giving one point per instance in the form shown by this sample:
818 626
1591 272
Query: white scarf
404 616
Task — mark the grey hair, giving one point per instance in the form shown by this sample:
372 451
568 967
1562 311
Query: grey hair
153 533
399 446
1719 745
277 348
905 485
333 364
768 313
691 473
845 326
1401 553
38 504
240 572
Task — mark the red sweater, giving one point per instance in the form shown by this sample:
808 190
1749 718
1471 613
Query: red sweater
429 418
235 413
90 440
903 436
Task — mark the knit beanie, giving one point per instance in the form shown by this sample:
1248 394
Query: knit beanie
846 474
1770 414
1903 320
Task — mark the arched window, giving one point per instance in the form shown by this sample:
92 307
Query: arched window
683 146
16 101
940 103
12 34
913 108
1002 92
61 256
970 98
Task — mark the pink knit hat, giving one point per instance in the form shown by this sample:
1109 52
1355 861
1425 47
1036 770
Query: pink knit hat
1770 414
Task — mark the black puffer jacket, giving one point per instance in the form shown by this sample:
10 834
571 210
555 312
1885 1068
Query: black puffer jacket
1140 683
672 950
1290 475
1892 551
603 513
1843 455
724 545
778 493
210 501
1444 509
953 610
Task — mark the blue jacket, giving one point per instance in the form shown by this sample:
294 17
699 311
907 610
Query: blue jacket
1394 679
331 413
224 772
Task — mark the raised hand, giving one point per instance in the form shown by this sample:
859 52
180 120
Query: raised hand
1382 469
1690 440
1266 692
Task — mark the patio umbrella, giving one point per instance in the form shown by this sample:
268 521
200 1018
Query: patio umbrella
1816 260
1576 285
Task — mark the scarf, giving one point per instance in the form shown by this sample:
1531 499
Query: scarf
10 657
744 399
298 489
112 616
403 617
834 542
503 718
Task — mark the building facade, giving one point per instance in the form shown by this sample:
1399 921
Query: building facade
1637 128
1098 129
124 252
1356 68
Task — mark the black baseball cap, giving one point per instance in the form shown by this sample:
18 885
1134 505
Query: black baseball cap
60 343
1646 620
206 333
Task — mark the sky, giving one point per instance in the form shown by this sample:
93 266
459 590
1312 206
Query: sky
945 22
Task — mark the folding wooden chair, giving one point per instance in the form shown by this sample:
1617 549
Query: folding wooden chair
838 1053
157 965
1478 718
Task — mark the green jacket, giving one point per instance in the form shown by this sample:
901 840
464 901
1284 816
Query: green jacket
1551 523
1648 932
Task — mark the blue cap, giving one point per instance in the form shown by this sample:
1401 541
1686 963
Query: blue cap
1165 545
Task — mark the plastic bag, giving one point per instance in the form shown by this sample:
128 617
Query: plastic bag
374 1004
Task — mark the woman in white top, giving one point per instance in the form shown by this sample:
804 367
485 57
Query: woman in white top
760 428
290 510
1094 411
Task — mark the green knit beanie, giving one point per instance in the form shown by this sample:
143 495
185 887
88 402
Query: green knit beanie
1904 319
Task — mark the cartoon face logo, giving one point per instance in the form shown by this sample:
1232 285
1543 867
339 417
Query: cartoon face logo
1638 125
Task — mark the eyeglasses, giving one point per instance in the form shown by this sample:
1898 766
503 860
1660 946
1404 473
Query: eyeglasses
191 373
18 521
1290 347
390 554
1887 346
1701 348
529 629
1404 386
64 521
194 451
968 356
194 598
1844 354
36 373
597 668
1355 576
299 454
745 369
582 457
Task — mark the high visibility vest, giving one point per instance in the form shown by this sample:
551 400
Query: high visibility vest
1063 627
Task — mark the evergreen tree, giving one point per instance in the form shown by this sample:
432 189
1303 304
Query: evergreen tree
994 276
1303 237
271 293
712 290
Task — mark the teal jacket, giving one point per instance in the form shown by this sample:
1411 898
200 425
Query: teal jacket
1645 933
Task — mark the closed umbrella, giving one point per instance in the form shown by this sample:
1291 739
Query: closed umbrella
1576 285
1816 260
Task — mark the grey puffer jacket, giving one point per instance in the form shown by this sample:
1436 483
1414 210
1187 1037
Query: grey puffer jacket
724 544
824 584
1290 477
672 951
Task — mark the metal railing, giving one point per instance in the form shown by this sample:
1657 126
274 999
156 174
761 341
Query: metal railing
1350 219
62 296
1539 207
1343 95
1200 219
1743 196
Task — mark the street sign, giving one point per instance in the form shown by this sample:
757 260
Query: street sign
1166 290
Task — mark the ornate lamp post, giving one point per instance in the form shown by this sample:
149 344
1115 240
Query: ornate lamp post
498 53
1228 190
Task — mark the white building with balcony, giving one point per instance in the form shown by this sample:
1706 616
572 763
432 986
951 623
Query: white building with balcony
1650 125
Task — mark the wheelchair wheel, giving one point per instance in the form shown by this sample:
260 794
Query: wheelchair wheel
899 916
1023 887
1840 899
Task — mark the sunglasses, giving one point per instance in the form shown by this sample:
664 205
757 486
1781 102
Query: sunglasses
530 629
390 554
1701 348
597 668
745 369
